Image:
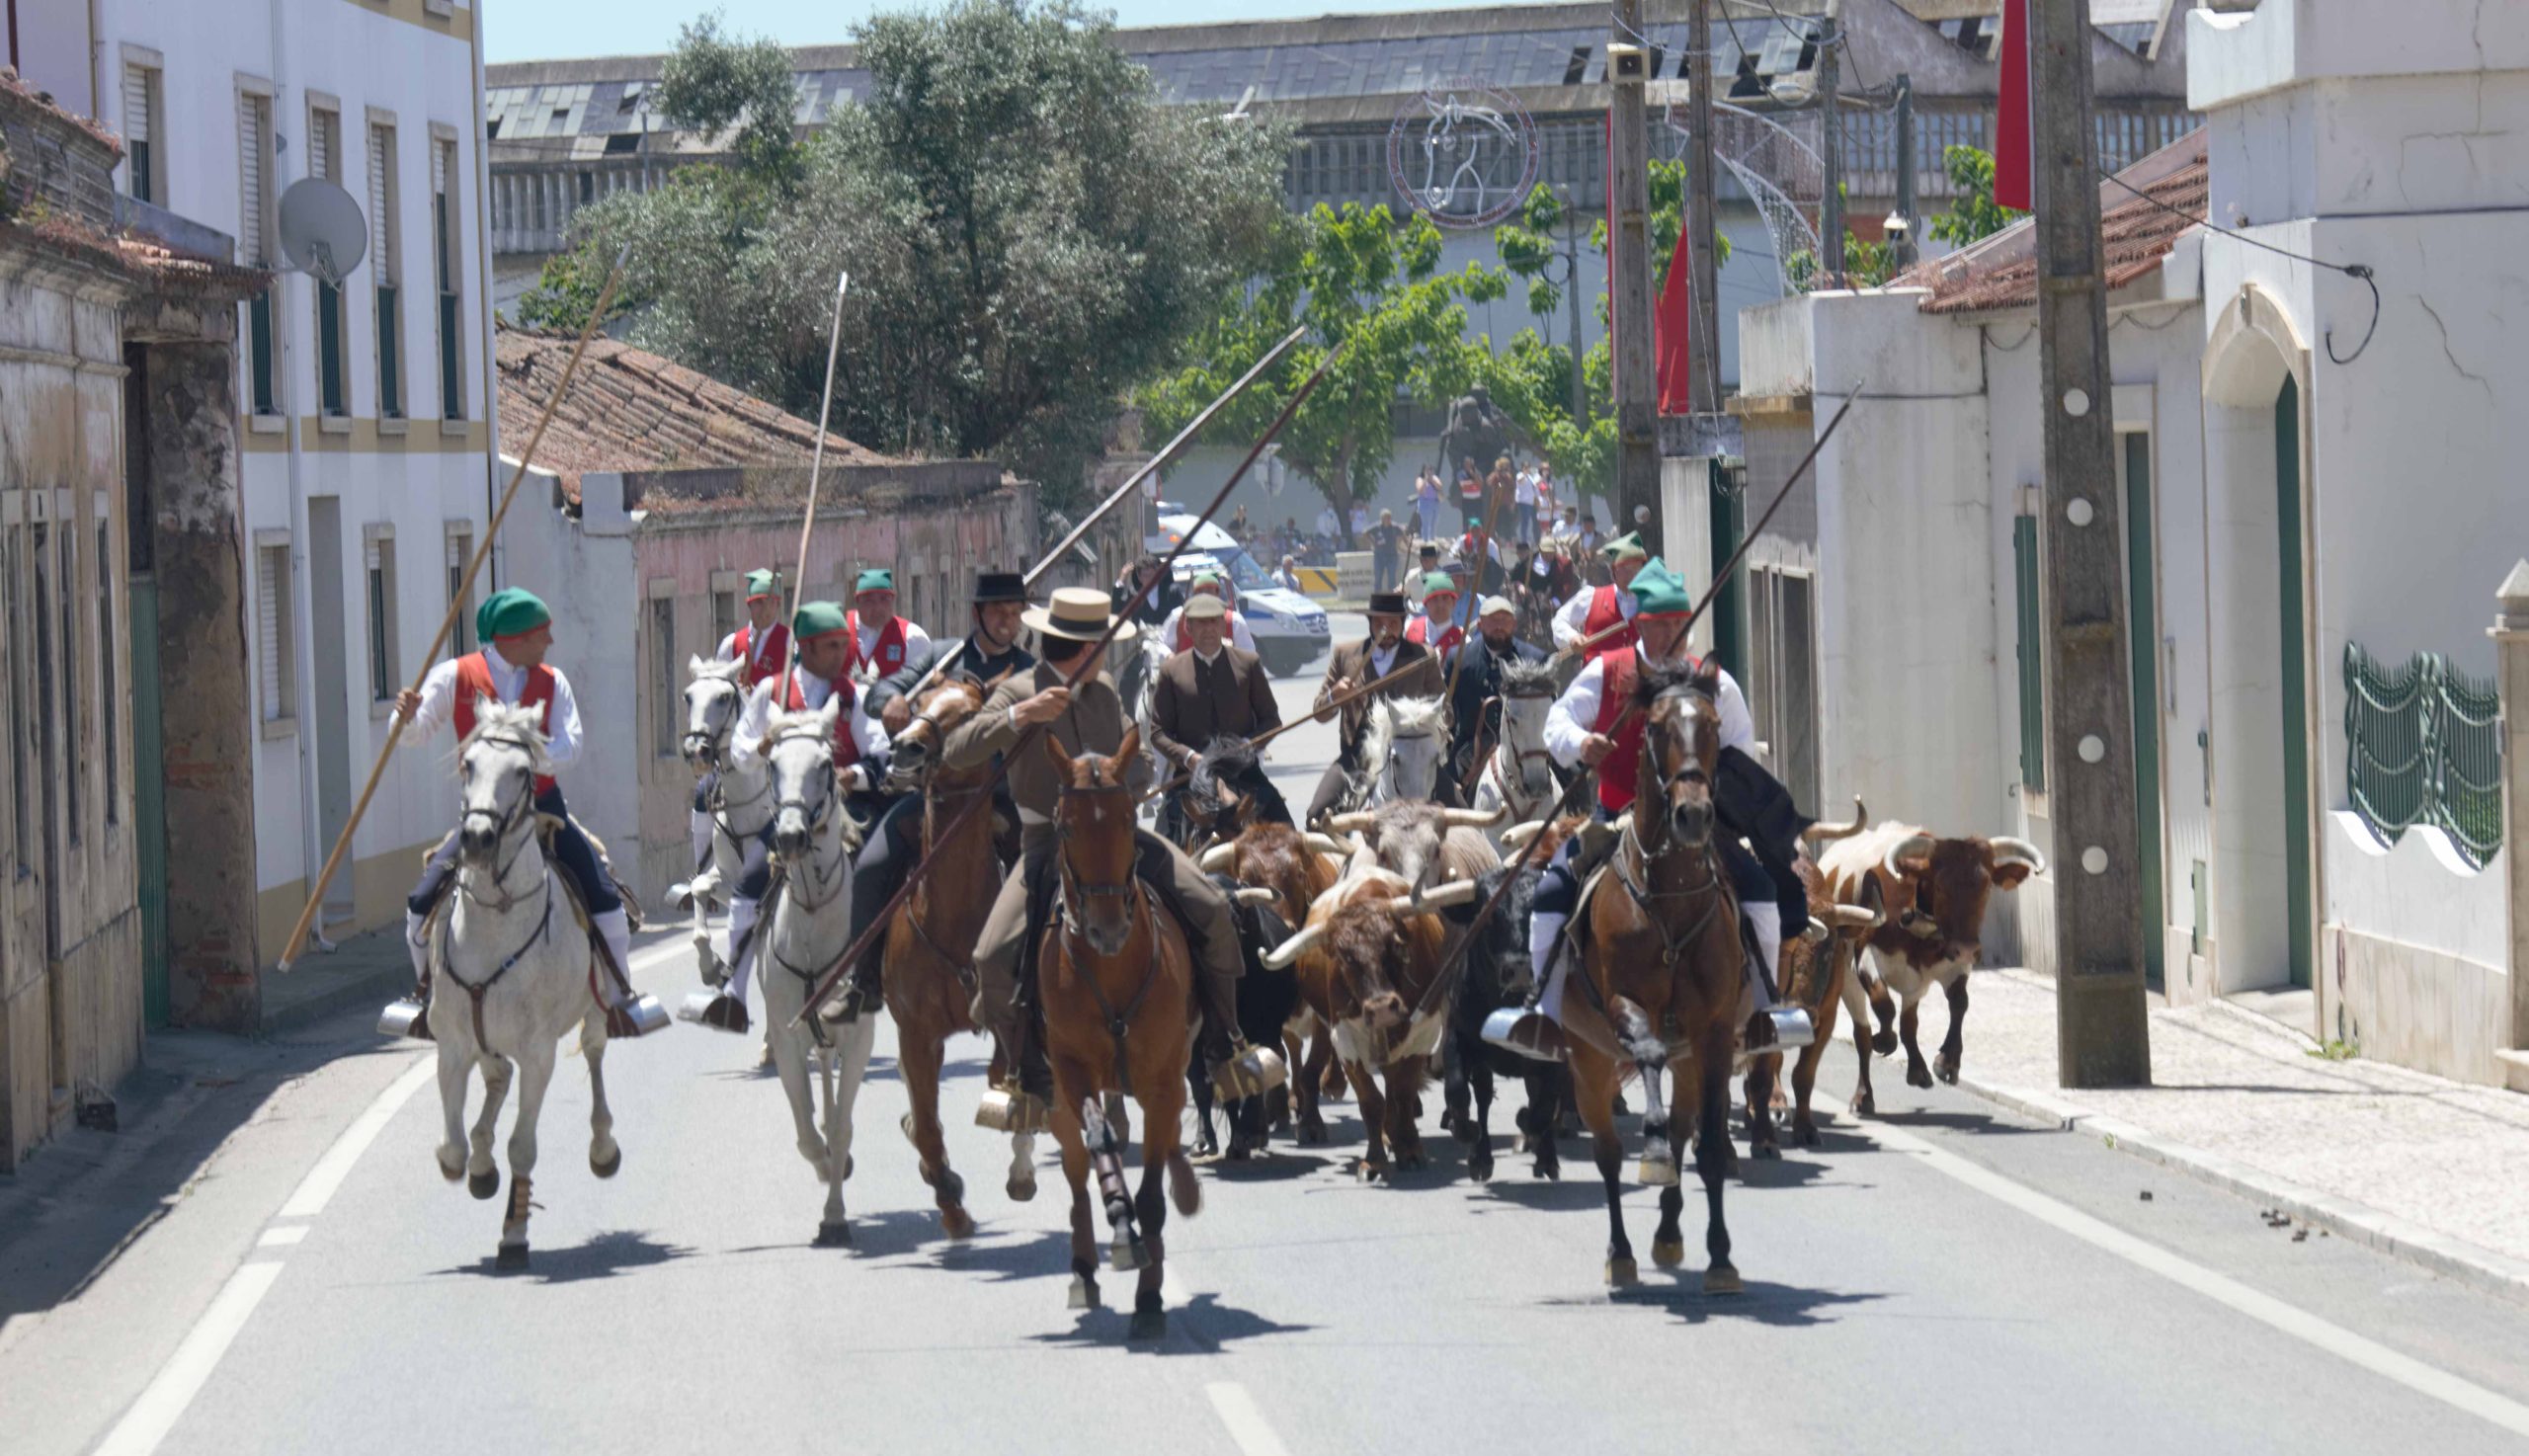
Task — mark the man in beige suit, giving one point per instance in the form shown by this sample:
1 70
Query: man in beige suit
1089 718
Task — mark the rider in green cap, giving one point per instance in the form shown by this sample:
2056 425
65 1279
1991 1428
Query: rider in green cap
1597 608
517 630
881 641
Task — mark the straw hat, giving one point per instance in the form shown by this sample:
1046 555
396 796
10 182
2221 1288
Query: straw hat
1076 614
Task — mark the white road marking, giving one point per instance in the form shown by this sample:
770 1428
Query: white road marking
2297 1322
285 1235
1237 1410
327 1175
155 1414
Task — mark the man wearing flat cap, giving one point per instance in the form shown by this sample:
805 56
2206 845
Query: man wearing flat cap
881 641
1475 707
1600 608
1359 664
1211 687
516 630
1086 718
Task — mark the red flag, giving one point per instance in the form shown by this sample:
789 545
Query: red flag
1673 327
2011 141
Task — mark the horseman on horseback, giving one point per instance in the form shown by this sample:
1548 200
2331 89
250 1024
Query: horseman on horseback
1475 703
1353 663
1085 719
826 637
881 641
1178 638
1209 688
764 645
1595 611
1591 727
517 630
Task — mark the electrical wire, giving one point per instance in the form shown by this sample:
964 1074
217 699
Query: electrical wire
2360 271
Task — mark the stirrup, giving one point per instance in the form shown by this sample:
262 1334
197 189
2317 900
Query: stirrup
1530 1033
853 1003
406 1015
717 1010
1792 1028
1008 1110
638 1017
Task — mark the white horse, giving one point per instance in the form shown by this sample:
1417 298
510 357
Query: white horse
512 972
741 805
806 932
1519 774
1403 748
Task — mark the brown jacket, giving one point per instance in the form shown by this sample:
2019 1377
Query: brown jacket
1194 702
1094 723
1352 661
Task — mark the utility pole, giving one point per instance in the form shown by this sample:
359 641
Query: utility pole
1637 494
2103 1032
1705 349
1572 300
1901 253
1831 210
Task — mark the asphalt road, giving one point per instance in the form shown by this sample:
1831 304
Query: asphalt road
1942 1279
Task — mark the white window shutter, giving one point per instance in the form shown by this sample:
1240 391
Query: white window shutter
320 144
439 167
271 582
380 233
251 129
135 103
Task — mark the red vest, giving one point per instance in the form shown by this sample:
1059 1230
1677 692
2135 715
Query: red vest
847 752
1185 640
888 655
474 679
1418 631
1606 610
777 653
1615 695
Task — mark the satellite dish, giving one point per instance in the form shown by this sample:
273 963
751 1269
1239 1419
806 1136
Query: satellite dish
321 229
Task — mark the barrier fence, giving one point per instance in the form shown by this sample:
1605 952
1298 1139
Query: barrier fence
2423 745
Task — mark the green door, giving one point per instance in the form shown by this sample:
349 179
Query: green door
2296 686
1728 505
2142 606
150 798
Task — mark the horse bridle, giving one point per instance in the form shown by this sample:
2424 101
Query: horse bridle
504 823
1672 946
817 819
1119 1022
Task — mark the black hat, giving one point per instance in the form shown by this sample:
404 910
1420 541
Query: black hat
1000 586
1387 603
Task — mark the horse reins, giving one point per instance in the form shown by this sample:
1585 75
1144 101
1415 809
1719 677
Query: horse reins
476 991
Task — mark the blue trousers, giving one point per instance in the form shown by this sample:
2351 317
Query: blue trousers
571 851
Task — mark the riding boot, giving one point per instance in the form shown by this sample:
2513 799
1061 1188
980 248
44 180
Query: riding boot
1775 1026
1537 1030
727 1012
628 1012
409 1016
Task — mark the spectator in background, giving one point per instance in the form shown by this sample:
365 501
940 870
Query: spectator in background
1470 495
1361 524
1239 527
1523 501
1287 575
1387 552
1545 498
1502 486
1414 580
1329 525
1426 501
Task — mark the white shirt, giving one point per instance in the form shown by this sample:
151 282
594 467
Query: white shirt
1239 635
1570 617
1383 658
1574 715
761 643
916 644
1525 491
747 743
439 705
1287 578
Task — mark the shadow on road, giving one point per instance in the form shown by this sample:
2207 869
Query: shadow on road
603 1256
1200 1327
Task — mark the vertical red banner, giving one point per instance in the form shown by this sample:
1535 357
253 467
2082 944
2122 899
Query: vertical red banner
2012 120
1672 328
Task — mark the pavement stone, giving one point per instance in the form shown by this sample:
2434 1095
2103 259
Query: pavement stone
2415 1166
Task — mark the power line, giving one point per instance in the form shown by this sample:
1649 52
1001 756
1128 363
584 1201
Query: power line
2360 271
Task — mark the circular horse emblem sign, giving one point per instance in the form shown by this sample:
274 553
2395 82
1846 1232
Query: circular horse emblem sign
1464 153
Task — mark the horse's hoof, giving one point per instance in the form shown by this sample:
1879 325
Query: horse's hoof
1722 1279
1207 1147
837 1235
1021 1190
451 1171
1765 1152
1126 1253
1312 1133
1918 1074
1623 1273
511 1259
846 1167
1408 1162
484 1184
1150 1322
1864 1104
608 1166
1946 1069
1668 1253
1885 1043
1480 1167
1084 1292
956 1223
950 1185
1804 1135
1371 1172
1552 1172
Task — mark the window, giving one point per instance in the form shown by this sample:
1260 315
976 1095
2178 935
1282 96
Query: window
325 160
22 749
109 707
254 231
444 252
144 164
386 269
664 698
460 550
379 549
65 591
275 674
2032 656
1783 675
724 617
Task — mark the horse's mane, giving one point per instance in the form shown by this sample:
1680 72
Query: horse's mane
1524 678
515 724
780 723
713 669
1231 762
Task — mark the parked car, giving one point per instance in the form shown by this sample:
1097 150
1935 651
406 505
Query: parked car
1290 629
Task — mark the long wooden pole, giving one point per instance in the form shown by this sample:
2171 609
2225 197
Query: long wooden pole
833 974
1313 715
447 623
816 462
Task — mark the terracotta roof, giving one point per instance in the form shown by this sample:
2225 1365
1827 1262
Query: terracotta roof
631 410
2000 272
173 269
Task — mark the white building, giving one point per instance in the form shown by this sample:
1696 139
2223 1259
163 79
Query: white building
2308 491
367 426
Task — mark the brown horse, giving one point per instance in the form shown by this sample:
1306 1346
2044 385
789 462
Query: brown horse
930 948
1662 980
1116 983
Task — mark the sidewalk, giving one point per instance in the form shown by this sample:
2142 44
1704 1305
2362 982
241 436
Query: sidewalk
2416 1167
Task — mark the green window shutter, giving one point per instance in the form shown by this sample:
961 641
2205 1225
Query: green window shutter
2032 659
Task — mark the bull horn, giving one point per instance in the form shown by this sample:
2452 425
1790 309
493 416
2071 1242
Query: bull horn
1820 833
1352 823
1338 860
1816 932
1252 895
1217 857
1455 892
1475 818
1853 917
1516 837
1918 844
1281 956
1324 844
2010 849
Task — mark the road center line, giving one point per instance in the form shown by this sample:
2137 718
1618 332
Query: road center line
1237 1410
327 1175
2291 1320
155 1414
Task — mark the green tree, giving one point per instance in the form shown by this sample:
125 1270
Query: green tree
1028 233
713 83
1973 213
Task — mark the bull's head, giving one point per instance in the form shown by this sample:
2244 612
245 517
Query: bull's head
1939 888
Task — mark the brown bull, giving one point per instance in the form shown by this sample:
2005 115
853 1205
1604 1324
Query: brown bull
1819 971
1289 869
1934 891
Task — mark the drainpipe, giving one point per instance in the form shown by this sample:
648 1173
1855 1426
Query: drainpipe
489 372
311 833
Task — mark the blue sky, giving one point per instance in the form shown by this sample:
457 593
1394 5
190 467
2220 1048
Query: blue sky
548 30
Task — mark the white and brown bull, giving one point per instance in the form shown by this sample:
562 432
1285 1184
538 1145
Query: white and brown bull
1933 892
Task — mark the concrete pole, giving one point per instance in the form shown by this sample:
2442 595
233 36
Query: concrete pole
1637 493
1706 349
1831 212
1902 256
2102 1028
2511 649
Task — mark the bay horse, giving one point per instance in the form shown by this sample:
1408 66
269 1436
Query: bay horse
929 953
1116 985
1661 975
513 972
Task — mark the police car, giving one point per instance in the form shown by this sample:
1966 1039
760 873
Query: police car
1291 631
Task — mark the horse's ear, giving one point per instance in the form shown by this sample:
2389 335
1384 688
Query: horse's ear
1060 759
1708 675
1131 746
695 665
832 712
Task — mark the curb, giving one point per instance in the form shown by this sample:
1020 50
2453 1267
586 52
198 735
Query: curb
2398 1238
347 988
